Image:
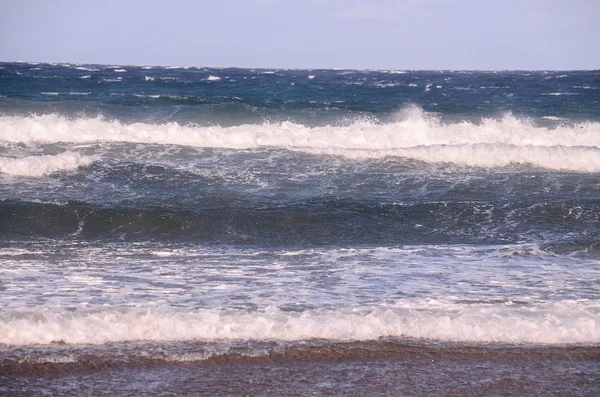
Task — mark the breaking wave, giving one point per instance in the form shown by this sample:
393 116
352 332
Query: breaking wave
417 135
37 166
550 323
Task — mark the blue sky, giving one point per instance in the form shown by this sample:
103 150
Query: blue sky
358 34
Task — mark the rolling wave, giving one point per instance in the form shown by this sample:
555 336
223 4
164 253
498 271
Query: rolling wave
416 135
37 166
548 323
318 223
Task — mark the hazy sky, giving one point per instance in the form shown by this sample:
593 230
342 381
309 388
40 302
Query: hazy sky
374 34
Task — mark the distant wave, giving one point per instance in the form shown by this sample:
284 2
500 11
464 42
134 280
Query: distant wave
415 134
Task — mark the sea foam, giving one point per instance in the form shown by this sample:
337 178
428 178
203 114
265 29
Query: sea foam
552 323
37 166
494 142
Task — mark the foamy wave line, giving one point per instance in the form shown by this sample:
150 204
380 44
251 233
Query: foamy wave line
36 166
492 143
556 323
559 158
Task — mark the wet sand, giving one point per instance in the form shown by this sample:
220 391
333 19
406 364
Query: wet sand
354 369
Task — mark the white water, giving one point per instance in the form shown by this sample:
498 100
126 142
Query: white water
553 323
37 166
512 294
580 159
492 143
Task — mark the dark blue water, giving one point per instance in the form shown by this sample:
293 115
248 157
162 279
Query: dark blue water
299 157
233 96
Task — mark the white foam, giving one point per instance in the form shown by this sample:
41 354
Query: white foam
555 323
553 118
385 85
148 78
560 93
580 159
161 253
18 252
120 70
311 77
36 166
417 135
213 78
148 96
85 77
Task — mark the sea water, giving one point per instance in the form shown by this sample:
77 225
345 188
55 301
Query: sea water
186 217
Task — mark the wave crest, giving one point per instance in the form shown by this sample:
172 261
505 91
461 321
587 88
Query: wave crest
491 143
555 323
37 166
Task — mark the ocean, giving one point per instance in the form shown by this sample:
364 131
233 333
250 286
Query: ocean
223 231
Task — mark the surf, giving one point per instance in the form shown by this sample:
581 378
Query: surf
548 323
414 134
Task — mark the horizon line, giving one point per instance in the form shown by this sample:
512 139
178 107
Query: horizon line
174 66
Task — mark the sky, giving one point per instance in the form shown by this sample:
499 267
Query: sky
353 34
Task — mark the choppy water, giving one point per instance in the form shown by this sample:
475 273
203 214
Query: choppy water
181 214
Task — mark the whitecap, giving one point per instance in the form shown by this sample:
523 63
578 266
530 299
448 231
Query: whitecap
560 93
37 166
495 142
553 118
549 323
